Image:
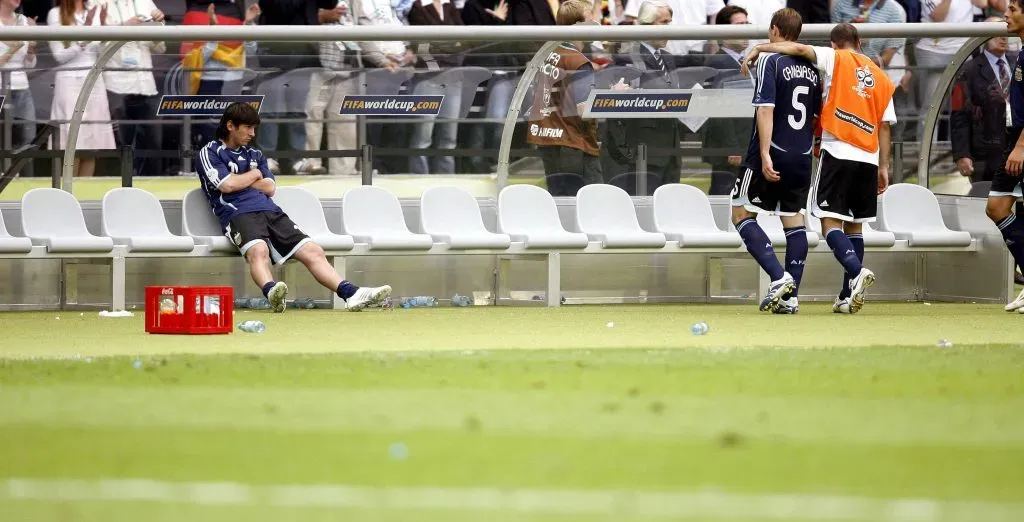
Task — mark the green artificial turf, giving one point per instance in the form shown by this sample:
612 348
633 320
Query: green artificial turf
548 401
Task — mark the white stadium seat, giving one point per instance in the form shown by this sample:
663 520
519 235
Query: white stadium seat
606 214
912 212
373 215
528 214
199 222
451 216
306 211
772 226
53 218
10 244
683 213
872 236
134 218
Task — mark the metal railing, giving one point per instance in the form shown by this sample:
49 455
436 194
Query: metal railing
117 36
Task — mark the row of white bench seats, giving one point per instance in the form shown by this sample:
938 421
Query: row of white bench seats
133 225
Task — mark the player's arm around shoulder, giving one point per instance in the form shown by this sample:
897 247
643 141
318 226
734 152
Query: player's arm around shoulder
787 48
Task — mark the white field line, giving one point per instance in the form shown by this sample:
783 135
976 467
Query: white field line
702 504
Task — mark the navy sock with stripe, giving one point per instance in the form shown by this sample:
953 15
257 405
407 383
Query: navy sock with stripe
842 247
760 247
796 256
857 240
346 290
267 287
1012 229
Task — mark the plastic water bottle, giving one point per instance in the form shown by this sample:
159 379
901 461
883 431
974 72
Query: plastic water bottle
306 303
419 302
700 328
252 327
462 300
241 302
259 303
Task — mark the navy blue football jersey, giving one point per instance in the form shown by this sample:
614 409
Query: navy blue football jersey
791 85
215 162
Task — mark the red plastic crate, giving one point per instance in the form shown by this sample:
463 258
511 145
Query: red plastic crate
189 310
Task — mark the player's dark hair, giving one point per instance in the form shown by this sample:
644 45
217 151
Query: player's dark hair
726 13
789 22
845 35
238 113
1020 3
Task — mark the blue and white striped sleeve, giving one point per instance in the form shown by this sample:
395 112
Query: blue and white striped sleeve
209 164
764 80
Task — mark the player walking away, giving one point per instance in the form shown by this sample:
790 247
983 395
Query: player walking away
777 167
239 185
854 164
1006 181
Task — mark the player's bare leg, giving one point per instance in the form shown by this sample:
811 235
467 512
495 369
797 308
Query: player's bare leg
1000 210
258 257
312 256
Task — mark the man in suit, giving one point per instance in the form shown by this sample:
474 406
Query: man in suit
727 133
978 114
621 136
979 117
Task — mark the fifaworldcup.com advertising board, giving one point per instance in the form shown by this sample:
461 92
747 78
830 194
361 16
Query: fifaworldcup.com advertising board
669 103
203 105
391 105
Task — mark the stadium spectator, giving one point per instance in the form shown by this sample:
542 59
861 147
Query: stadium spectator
131 87
532 12
390 55
327 88
622 136
15 58
282 58
979 118
727 133
484 12
502 62
215 68
913 9
239 185
402 9
684 12
812 11
933 55
567 142
36 9
76 59
880 50
759 12
899 72
435 57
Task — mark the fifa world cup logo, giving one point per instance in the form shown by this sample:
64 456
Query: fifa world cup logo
865 81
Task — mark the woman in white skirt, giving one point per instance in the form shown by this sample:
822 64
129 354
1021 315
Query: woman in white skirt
76 58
